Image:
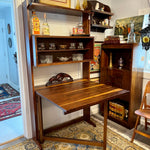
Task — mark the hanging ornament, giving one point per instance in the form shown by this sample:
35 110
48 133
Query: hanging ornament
145 37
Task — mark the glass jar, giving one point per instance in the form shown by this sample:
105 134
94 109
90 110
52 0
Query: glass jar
75 30
80 28
48 59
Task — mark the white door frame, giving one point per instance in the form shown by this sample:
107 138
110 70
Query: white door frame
22 68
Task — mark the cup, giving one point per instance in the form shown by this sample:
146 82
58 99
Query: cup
80 45
48 59
72 46
52 46
42 59
41 46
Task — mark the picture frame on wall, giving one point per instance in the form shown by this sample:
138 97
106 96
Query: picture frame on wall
123 27
95 64
62 3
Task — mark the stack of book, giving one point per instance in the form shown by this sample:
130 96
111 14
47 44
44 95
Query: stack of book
112 40
116 110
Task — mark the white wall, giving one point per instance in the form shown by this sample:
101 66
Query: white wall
127 8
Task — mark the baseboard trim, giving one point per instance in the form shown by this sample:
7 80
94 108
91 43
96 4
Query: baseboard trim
12 140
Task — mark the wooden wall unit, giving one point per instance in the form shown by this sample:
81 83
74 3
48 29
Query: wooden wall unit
33 54
129 77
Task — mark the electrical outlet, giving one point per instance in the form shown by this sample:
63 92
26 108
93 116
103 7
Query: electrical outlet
142 58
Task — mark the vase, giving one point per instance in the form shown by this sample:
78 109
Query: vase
78 5
131 35
84 4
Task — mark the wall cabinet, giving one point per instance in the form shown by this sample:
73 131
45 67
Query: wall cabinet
128 76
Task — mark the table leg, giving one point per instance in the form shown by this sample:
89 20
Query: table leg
40 119
86 116
105 124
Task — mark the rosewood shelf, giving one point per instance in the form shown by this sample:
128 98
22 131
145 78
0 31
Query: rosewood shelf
99 28
103 13
118 46
55 9
62 62
61 50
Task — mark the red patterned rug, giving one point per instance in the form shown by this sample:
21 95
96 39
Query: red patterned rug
6 91
10 108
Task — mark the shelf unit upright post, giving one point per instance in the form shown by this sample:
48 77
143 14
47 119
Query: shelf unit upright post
29 43
128 77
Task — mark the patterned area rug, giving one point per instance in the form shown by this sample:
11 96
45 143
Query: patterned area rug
81 130
7 91
10 108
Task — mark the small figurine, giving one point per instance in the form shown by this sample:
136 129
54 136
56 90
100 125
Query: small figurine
102 8
120 63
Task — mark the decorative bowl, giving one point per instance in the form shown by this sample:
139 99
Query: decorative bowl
63 58
62 46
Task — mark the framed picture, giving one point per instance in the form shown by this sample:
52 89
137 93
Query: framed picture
62 3
95 64
123 26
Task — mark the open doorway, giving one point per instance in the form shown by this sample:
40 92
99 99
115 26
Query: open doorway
11 123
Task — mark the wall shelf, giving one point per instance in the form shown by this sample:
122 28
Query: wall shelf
62 50
55 9
104 14
99 28
87 50
61 63
98 17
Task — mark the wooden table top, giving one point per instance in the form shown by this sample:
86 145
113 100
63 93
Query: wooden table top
76 95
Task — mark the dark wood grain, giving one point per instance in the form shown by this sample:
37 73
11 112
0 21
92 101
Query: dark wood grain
87 51
55 9
129 77
75 96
